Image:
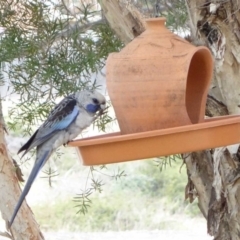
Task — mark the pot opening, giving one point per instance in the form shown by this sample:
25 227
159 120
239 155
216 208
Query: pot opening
198 80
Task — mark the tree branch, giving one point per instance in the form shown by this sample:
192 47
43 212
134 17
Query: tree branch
215 107
123 18
2 121
73 26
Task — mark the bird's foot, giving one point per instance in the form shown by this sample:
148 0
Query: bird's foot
65 144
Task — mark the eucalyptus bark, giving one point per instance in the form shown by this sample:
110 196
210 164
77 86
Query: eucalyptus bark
24 226
217 26
124 19
213 175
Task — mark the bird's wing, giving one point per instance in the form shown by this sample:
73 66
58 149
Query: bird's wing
59 119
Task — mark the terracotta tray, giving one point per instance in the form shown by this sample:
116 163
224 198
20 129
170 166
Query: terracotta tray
114 148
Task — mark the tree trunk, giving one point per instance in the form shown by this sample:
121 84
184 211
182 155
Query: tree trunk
10 192
123 18
213 174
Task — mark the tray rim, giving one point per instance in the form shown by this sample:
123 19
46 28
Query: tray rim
118 137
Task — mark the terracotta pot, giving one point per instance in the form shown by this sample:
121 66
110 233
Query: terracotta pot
158 80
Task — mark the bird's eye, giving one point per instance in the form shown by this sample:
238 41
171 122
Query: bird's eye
95 101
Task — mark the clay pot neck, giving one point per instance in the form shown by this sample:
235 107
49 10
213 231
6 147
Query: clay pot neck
156 25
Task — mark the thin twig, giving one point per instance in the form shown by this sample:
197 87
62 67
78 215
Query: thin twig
2 121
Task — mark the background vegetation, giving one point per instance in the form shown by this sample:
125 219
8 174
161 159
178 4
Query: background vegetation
144 198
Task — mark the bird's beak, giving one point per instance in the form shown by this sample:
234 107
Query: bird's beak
103 106
103 109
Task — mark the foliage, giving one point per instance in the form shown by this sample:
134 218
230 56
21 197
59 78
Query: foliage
47 52
83 199
162 162
44 56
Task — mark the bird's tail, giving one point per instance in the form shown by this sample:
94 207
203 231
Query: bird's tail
36 168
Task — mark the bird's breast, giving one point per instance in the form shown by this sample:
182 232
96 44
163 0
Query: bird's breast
82 121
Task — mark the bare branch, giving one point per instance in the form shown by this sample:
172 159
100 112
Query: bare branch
73 26
123 18
2 121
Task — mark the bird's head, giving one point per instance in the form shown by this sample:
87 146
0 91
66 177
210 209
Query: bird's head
91 101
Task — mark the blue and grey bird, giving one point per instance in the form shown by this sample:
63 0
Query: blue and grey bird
65 122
